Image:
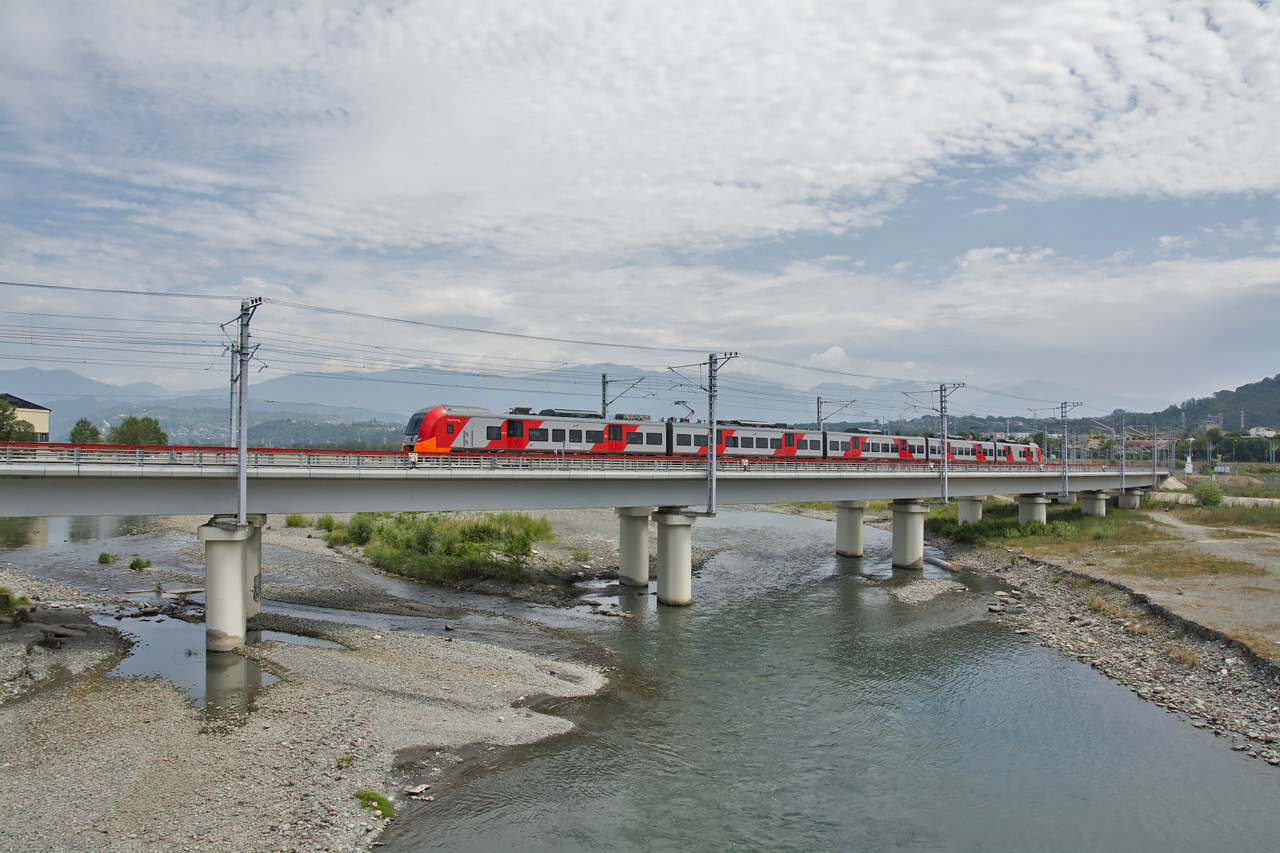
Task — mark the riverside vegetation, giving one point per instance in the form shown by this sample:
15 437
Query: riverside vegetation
444 550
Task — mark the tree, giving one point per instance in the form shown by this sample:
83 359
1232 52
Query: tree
133 430
85 433
12 429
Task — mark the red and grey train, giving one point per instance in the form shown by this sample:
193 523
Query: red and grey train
472 430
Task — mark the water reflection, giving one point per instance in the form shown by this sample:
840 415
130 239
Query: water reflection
39 531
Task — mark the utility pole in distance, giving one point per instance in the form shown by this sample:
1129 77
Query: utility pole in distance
1063 409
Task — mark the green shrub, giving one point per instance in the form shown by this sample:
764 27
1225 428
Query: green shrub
326 523
295 519
359 530
105 558
137 564
1207 493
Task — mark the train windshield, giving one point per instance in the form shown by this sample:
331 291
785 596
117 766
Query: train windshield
415 423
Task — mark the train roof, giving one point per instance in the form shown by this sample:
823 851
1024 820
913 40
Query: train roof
569 413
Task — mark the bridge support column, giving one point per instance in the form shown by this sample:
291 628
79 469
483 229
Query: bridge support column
849 527
675 557
1129 500
970 509
225 551
633 544
908 534
1032 508
1093 503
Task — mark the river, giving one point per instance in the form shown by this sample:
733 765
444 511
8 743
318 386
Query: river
798 706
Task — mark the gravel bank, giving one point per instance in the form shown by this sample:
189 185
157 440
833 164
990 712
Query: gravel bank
99 763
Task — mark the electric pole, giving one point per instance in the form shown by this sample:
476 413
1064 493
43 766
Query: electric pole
243 353
1064 408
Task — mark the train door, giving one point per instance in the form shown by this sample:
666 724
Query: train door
614 440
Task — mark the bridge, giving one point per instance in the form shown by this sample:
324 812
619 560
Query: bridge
69 480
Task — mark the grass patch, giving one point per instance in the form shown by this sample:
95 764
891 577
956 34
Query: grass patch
581 556
1183 655
1179 562
1253 517
1236 534
345 762
1066 529
374 800
104 558
8 600
295 519
138 564
445 549
326 523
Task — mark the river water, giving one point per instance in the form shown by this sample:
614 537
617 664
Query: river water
797 705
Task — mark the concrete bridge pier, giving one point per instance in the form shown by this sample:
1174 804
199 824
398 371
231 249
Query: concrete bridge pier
970 509
253 566
1069 499
849 527
226 546
1093 503
1129 499
633 544
675 556
908 534
1032 508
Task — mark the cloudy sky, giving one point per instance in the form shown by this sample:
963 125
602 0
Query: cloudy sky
987 192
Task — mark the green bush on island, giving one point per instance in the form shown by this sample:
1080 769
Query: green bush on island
105 558
138 564
446 550
295 519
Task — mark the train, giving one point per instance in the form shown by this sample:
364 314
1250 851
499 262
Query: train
444 429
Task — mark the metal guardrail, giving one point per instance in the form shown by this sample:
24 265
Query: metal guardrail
272 458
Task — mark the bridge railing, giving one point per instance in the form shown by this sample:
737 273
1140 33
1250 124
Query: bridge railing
88 455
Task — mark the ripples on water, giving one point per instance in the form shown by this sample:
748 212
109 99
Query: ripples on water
797 706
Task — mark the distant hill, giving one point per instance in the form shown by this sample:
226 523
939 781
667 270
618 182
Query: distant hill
1260 402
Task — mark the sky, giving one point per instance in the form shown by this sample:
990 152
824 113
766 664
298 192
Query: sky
988 192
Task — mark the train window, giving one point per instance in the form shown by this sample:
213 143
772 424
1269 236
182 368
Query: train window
731 441
595 436
699 440
615 432
493 433
775 443
448 428
719 436
653 438
684 440
538 434
515 429
833 445
635 438
748 441
557 435
791 440
802 444
575 435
